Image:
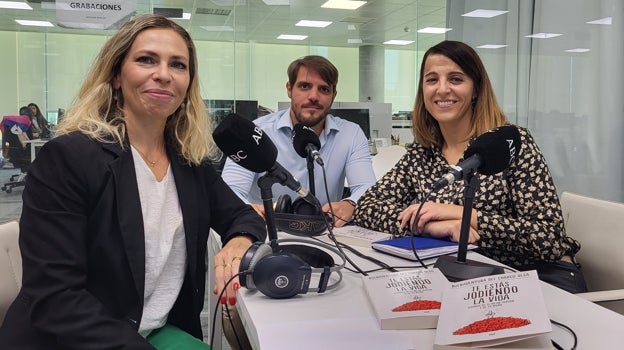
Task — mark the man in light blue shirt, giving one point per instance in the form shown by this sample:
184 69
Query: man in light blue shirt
311 87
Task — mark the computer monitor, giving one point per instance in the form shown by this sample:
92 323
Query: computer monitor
359 116
219 109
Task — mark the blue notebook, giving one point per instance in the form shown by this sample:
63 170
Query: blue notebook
426 247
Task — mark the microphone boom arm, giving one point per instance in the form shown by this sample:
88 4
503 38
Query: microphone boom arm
265 182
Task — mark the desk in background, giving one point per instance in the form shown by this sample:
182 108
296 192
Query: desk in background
343 319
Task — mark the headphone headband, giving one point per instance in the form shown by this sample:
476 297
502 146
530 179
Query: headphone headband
281 270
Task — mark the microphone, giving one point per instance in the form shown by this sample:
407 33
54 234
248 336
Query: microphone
305 141
489 153
247 145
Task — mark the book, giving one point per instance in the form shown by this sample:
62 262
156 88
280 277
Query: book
493 311
426 247
408 299
357 236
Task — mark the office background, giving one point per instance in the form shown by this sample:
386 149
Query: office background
555 64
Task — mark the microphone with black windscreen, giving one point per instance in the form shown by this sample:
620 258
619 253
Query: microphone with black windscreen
248 146
306 142
488 154
278 269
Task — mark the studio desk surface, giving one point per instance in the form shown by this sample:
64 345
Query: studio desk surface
343 319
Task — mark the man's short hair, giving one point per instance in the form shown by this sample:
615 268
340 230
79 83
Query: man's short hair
319 64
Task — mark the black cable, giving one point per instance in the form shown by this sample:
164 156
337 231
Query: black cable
570 330
330 227
214 315
381 264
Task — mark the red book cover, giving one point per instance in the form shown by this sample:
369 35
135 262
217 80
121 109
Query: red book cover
492 310
407 299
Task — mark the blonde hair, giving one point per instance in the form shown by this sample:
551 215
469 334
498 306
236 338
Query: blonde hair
486 113
97 110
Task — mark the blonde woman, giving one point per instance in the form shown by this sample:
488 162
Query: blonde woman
118 207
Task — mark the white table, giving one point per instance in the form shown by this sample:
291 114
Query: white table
343 319
33 146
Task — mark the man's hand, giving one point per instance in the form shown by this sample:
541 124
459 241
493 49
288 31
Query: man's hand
343 212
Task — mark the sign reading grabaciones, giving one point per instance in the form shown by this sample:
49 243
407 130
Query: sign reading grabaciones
102 14
95 6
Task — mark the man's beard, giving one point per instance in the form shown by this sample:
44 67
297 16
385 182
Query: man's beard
313 121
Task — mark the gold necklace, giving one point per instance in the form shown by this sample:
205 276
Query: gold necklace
150 163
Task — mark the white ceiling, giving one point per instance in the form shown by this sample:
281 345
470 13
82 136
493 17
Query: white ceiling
254 21
373 23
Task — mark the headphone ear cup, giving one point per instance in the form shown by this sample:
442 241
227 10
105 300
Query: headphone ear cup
283 204
301 207
282 275
250 259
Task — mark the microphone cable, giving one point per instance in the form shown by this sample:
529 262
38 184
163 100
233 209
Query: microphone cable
570 330
330 225
227 311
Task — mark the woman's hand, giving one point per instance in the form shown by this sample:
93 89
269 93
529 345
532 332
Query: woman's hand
226 264
432 212
450 229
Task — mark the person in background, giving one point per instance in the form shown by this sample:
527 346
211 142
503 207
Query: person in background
516 217
118 207
40 126
311 87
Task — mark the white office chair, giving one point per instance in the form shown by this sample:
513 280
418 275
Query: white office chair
210 300
10 265
598 224
386 158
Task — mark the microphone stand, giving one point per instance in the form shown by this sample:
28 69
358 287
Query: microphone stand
265 182
310 161
461 269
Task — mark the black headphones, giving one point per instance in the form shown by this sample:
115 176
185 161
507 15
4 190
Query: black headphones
283 271
299 217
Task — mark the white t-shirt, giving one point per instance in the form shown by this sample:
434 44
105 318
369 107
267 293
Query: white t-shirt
165 244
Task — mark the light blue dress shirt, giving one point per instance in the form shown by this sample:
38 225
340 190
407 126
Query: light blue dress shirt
344 149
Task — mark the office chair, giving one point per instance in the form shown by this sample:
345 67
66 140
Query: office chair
597 224
10 265
18 155
386 158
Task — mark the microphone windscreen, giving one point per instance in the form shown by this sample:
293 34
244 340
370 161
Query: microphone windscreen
245 143
497 148
303 136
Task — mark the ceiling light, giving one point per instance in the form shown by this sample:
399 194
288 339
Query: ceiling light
484 13
434 30
186 15
491 46
350 27
543 35
292 37
14 5
343 4
577 50
276 2
315 24
217 28
604 21
354 41
34 23
398 42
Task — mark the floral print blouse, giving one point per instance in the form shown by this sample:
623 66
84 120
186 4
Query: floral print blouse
519 215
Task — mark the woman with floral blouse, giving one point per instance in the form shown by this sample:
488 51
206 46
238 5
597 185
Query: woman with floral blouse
516 217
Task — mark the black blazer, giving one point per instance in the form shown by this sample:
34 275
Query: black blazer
83 251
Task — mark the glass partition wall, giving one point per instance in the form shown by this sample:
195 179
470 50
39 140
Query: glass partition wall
554 63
